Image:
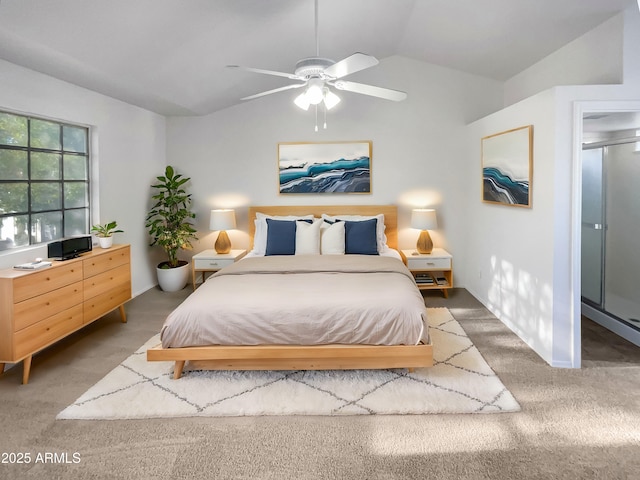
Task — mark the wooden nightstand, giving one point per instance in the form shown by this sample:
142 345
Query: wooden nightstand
211 261
433 271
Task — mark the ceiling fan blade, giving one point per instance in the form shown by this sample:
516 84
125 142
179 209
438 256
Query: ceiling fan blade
290 76
386 93
275 90
352 64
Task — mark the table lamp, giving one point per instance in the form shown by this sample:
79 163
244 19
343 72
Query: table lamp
424 219
222 220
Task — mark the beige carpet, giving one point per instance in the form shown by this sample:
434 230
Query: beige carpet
459 382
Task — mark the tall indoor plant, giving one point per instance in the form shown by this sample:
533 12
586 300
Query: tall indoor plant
170 225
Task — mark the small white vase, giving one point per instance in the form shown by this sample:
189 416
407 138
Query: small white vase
105 242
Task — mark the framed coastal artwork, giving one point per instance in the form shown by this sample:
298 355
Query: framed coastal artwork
507 167
324 167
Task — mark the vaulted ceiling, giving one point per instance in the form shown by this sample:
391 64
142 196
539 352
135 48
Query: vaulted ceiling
169 56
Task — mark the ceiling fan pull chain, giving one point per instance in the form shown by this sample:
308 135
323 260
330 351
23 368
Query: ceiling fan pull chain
316 118
325 117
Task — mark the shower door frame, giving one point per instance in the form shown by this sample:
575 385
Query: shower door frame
579 307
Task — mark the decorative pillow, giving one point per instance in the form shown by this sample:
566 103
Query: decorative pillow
332 238
260 235
360 237
308 237
381 238
281 237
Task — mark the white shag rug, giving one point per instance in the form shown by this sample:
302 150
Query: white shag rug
460 381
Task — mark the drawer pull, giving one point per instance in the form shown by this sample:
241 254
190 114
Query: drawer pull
430 263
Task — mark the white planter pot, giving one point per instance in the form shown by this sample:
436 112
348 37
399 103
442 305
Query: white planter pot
173 279
105 242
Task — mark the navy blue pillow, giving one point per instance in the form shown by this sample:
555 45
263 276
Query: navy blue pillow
360 238
281 237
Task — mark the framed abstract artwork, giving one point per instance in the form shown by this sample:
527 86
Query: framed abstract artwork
325 167
507 167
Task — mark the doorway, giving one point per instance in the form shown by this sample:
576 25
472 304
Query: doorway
610 259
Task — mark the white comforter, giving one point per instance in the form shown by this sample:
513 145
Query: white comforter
302 300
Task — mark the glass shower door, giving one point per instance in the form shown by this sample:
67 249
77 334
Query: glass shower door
622 213
592 225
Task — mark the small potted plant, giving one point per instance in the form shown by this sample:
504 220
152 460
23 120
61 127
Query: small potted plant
170 224
105 233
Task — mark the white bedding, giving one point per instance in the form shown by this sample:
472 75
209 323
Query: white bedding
302 300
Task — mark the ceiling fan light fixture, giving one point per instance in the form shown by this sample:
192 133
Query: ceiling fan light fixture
330 99
315 91
301 101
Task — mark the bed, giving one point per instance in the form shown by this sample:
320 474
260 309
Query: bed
314 310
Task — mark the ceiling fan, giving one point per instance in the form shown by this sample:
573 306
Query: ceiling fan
317 74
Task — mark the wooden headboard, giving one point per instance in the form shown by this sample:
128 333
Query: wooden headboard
390 215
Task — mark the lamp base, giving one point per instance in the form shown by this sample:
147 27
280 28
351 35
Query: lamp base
425 244
223 244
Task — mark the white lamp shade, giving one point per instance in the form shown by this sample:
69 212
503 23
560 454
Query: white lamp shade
302 102
222 219
331 99
424 219
315 92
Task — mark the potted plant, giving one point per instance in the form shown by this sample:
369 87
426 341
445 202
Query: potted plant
169 224
105 233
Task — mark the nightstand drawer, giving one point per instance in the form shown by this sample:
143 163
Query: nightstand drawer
211 263
429 263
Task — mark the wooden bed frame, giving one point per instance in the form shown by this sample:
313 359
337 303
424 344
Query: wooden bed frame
303 357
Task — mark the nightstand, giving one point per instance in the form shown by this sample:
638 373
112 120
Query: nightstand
432 271
212 261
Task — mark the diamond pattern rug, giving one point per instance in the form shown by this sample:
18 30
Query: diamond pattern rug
460 381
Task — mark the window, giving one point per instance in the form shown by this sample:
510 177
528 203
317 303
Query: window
44 180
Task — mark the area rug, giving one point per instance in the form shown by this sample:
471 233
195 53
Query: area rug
460 381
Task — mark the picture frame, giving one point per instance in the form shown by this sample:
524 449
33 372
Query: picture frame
324 167
507 167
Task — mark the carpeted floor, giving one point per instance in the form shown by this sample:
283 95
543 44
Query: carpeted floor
574 424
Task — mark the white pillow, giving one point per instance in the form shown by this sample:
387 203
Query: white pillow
381 238
260 235
332 238
308 237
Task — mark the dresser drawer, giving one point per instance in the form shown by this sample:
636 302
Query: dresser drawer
428 263
102 304
106 261
41 334
106 281
49 279
211 263
35 309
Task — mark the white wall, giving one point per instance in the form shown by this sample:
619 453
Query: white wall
510 250
418 149
128 144
595 58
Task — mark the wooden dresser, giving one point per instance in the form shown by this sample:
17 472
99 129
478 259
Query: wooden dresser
38 308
